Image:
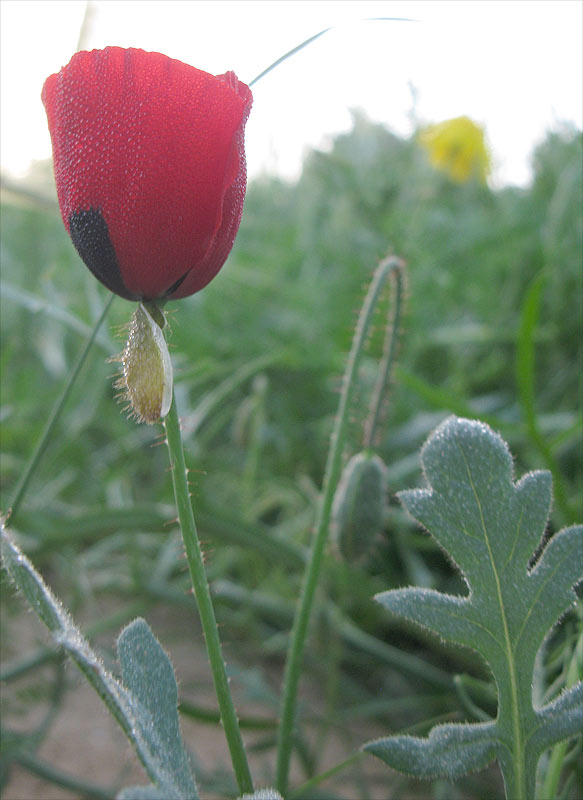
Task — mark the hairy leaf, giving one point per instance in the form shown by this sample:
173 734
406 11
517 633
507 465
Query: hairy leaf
144 703
490 527
147 792
149 677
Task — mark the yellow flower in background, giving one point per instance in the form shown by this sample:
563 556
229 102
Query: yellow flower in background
458 148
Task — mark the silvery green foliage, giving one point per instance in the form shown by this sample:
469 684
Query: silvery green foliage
490 527
149 792
144 702
153 695
263 794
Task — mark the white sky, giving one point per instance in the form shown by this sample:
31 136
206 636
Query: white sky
513 65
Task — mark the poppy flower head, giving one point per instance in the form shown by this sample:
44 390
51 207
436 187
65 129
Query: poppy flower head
150 168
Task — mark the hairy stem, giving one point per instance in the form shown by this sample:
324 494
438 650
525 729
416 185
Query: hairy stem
204 603
379 395
331 477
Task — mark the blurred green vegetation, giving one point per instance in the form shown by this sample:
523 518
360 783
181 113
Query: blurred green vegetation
493 329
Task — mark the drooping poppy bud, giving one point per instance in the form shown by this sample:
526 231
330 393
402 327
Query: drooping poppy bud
359 506
150 168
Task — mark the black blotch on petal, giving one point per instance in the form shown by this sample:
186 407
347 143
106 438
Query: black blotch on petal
90 236
175 285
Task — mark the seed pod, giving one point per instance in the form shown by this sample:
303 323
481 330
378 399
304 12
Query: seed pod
359 506
146 376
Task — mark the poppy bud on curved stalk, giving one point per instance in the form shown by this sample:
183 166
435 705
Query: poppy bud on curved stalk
359 506
149 161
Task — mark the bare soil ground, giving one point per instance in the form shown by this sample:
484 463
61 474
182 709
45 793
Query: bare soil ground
84 740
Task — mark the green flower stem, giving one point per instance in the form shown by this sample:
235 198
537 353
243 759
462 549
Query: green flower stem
331 477
379 396
204 603
55 414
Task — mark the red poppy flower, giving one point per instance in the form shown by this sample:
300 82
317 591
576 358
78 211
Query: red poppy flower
150 168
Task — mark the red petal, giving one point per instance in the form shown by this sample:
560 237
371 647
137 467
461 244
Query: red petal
157 146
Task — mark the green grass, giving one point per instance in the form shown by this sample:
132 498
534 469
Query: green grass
258 360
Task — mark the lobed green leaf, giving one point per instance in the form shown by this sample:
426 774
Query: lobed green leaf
449 751
490 527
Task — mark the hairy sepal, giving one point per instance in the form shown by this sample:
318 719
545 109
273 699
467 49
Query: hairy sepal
146 373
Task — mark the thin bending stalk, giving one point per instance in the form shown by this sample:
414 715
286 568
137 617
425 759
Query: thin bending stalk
55 414
313 38
331 477
379 395
203 600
